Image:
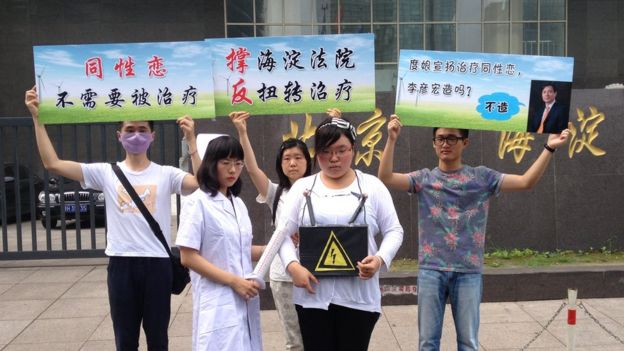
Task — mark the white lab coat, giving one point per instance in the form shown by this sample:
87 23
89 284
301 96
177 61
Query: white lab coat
222 320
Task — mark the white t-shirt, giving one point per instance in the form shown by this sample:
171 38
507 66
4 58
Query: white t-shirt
129 234
336 206
277 272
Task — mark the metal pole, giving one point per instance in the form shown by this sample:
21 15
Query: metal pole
571 318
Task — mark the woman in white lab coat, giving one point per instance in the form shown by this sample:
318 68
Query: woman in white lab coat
293 162
215 243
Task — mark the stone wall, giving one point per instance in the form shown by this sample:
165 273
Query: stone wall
576 205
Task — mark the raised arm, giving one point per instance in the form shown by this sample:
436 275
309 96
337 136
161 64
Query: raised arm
258 177
187 125
526 181
51 162
396 181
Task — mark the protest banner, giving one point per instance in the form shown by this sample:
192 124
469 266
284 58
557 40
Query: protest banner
115 82
516 93
294 74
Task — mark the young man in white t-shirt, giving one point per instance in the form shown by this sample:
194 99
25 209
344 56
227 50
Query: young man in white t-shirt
139 270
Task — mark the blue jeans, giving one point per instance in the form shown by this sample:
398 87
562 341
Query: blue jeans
463 290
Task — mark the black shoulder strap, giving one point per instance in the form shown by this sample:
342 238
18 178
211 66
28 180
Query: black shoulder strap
308 203
360 206
141 206
362 197
278 194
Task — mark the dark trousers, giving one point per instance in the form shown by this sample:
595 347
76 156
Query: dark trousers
139 290
337 329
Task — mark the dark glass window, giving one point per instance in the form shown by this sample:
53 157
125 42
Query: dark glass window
440 37
240 31
411 36
530 27
411 10
384 11
439 10
553 10
385 43
239 11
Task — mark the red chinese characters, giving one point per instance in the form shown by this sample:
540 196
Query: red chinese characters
236 60
93 67
156 67
239 57
240 93
125 67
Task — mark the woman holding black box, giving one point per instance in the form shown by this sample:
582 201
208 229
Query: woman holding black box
338 312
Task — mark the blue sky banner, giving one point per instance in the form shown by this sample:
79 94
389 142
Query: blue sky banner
484 91
115 82
294 74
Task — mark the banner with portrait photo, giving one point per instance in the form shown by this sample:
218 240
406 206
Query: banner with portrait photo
516 93
115 82
294 74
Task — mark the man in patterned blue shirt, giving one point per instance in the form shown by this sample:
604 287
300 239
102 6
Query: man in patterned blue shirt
453 203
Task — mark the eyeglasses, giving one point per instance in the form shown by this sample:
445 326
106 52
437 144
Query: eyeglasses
327 153
227 164
451 140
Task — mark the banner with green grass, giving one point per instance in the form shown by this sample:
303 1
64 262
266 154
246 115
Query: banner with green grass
294 74
479 91
116 82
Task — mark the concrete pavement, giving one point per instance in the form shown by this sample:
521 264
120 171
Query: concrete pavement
47 307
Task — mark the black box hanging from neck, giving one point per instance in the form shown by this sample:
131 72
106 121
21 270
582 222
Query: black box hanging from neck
333 250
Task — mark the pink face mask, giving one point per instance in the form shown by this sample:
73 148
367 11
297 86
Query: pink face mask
136 143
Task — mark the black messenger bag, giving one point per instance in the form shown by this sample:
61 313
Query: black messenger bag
180 273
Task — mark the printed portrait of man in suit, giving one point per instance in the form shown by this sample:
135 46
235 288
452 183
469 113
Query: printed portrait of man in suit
551 114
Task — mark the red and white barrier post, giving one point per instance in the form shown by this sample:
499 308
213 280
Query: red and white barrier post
571 318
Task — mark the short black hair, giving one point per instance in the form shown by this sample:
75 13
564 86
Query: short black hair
218 149
150 123
328 133
463 132
550 84
284 182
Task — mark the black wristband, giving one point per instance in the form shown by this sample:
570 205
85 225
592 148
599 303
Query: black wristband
549 148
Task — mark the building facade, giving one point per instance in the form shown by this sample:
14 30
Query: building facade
574 206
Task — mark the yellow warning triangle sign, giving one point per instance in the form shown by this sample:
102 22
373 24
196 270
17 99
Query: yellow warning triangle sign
334 257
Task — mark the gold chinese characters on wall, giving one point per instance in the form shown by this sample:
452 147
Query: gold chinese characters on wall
583 136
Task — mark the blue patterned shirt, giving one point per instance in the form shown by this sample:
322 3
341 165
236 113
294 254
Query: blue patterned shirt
452 216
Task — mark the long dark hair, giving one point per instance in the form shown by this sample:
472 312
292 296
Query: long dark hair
329 131
284 182
218 149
